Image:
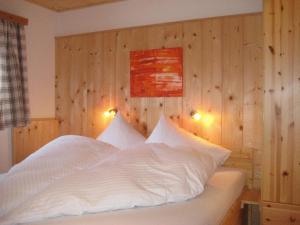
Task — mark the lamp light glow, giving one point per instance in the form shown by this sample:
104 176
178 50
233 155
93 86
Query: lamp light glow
208 120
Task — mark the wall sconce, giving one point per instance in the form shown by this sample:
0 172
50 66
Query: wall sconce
110 113
196 115
205 118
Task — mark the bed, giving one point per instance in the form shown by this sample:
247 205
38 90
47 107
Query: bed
169 179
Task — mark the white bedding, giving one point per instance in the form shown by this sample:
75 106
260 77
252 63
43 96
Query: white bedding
209 208
74 175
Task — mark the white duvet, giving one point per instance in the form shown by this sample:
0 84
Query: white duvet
73 175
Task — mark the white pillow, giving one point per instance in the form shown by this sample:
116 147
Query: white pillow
121 134
170 134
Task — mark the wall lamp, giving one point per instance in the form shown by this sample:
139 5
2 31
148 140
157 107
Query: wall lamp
110 113
205 118
196 115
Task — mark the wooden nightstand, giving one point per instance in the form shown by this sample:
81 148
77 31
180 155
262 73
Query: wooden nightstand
280 214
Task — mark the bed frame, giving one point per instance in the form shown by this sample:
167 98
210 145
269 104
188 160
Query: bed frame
234 214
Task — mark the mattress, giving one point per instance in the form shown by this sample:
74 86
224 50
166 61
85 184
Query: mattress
209 208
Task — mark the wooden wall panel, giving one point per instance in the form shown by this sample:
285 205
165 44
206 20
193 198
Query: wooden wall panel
222 77
281 165
27 140
192 56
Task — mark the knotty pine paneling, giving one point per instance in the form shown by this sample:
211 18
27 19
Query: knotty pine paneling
27 140
222 76
281 164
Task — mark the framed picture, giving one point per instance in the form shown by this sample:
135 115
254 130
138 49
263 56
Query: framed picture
156 73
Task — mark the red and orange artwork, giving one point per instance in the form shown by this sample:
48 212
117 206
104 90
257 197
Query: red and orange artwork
156 73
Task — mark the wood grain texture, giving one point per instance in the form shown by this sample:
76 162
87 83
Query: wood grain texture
64 5
280 214
222 76
281 164
27 140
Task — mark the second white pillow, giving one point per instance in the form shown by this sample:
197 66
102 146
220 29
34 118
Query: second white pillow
170 134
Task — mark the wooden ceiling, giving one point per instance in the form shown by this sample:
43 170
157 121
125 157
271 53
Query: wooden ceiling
63 5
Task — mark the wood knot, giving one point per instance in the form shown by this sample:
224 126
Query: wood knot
268 219
230 97
285 173
171 117
241 127
145 109
292 219
161 104
190 46
194 34
195 75
145 127
271 49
